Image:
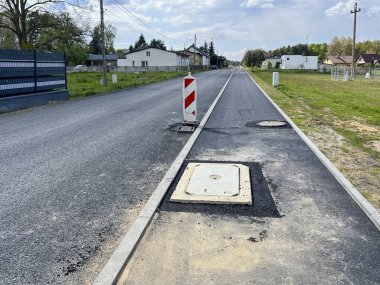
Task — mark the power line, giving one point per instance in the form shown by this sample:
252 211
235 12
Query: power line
145 24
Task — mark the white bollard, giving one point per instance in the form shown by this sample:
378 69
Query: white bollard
276 79
114 78
190 99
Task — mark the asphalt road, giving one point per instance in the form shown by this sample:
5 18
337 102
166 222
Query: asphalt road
303 227
75 175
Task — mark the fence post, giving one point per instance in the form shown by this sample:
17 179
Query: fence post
35 69
64 58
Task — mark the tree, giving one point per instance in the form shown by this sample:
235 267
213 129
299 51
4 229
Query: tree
205 47
157 44
120 53
141 43
340 46
254 57
95 46
22 17
7 38
319 50
211 49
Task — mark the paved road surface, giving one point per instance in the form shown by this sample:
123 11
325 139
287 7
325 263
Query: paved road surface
75 175
302 229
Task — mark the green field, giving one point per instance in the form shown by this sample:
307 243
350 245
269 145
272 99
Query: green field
88 83
342 118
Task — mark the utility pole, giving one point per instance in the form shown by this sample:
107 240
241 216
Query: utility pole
195 44
355 11
104 81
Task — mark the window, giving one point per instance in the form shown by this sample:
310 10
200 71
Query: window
144 64
287 58
133 63
148 53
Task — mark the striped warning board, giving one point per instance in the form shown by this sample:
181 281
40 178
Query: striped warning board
189 99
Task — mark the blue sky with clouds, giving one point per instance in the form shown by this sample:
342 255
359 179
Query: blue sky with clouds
238 25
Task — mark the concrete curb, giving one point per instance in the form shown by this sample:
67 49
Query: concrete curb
368 209
113 269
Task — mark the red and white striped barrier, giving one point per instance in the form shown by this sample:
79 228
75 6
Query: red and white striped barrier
190 99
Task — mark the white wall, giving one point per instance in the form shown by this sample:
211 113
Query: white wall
153 57
206 60
299 62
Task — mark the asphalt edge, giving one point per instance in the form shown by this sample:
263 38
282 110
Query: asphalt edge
114 267
362 202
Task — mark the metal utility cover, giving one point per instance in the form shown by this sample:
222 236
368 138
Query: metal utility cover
214 183
214 180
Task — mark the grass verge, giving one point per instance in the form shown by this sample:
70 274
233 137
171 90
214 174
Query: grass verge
342 118
88 83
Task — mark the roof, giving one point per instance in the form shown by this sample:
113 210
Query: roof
99 57
172 51
198 50
340 59
370 58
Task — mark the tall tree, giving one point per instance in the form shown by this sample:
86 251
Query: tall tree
20 17
95 46
140 43
7 38
157 44
211 49
340 46
205 47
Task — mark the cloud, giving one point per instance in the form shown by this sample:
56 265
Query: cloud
373 10
257 3
236 54
180 19
340 8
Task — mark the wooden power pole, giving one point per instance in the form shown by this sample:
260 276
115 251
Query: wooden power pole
355 11
104 62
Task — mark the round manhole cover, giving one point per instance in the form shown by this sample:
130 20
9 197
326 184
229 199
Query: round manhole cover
267 124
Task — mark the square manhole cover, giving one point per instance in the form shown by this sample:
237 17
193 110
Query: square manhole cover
215 183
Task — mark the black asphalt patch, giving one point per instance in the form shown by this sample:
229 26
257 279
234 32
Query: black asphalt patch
263 204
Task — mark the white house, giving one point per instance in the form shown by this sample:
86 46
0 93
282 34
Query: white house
299 62
272 60
154 57
198 56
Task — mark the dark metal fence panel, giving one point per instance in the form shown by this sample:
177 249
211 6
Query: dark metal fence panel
28 71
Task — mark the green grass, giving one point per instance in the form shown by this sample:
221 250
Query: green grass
357 98
315 99
352 109
88 83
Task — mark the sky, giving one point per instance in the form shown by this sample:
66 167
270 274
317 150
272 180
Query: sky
237 25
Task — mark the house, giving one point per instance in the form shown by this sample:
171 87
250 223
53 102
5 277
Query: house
299 62
340 60
97 60
153 57
198 57
368 59
271 62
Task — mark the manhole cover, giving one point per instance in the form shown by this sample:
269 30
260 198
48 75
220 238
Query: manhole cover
214 180
267 124
186 129
214 183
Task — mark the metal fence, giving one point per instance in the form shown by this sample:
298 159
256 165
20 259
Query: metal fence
28 71
374 73
130 69
340 73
